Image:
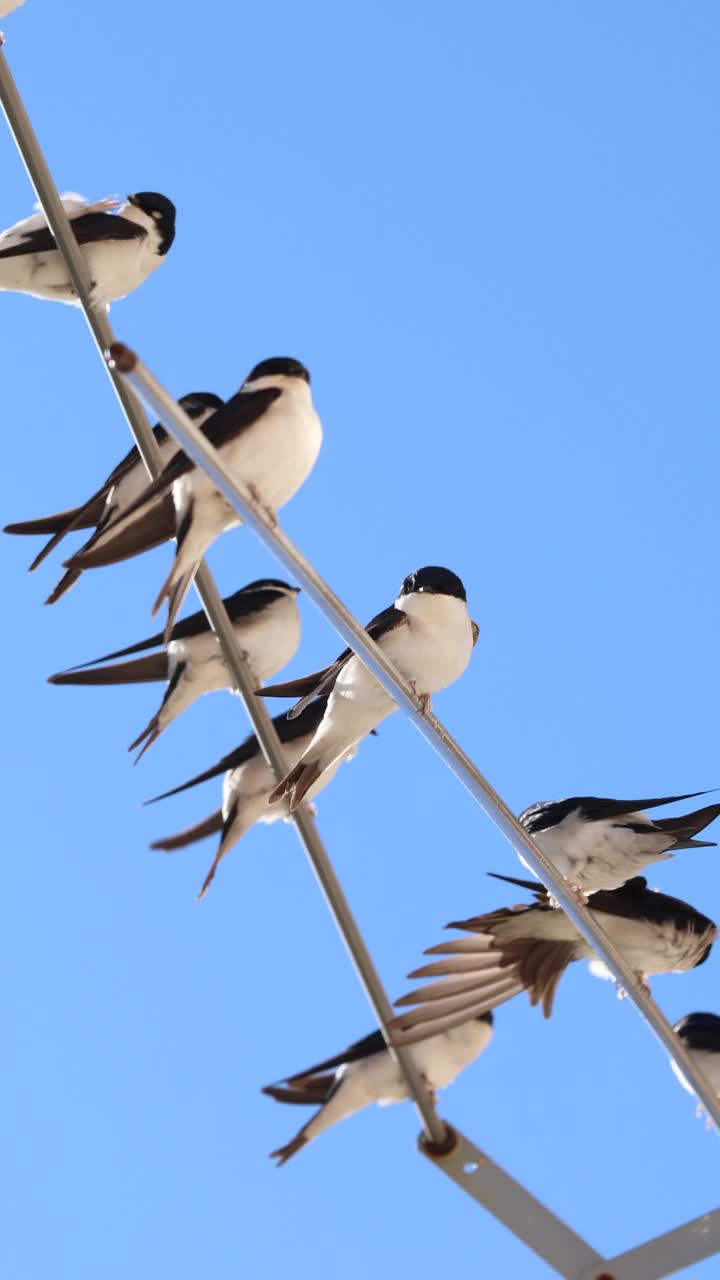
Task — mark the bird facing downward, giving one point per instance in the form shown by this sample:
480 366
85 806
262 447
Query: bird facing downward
122 486
247 784
120 249
700 1034
366 1073
599 844
429 636
269 436
266 622
529 947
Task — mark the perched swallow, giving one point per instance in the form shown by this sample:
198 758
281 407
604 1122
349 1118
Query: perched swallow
367 1073
120 249
529 947
247 785
599 844
125 482
700 1034
269 436
429 636
266 622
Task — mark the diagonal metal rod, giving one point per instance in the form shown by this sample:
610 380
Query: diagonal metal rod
462 1161
197 447
99 325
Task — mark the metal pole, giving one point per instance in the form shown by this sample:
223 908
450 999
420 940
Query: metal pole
127 363
99 325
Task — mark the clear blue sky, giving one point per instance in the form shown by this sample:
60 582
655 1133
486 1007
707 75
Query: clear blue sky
492 236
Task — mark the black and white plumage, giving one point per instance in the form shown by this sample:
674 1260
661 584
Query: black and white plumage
366 1072
528 948
125 482
429 636
247 784
120 248
599 844
700 1034
266 622
269 436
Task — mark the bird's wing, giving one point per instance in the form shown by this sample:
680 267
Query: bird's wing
141 670
548 813
370 1044
687 825
311 1092
155 526
239 413
199 831
232 760
321 682
78 517
525 948
186 629
89 228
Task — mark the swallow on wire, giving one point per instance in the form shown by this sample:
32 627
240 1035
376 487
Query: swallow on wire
269 437
366 1072
126 480
266 622
247 784
429 636
120 248
700 1034
600 844
529 947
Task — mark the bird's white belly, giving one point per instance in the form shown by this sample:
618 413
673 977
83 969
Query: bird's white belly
115 267
272 639
594 855
654 948
278 453
707 1062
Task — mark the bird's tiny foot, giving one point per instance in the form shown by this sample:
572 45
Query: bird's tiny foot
256 497
578 894
642 983
96 299
423 698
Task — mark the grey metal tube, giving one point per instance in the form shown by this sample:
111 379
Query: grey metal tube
196 446
99 325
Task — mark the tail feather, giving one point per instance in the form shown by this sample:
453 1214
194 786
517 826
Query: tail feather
67 581
232 831
78 519
155 726
297 783
283 1154
199 831
177 584
150 733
